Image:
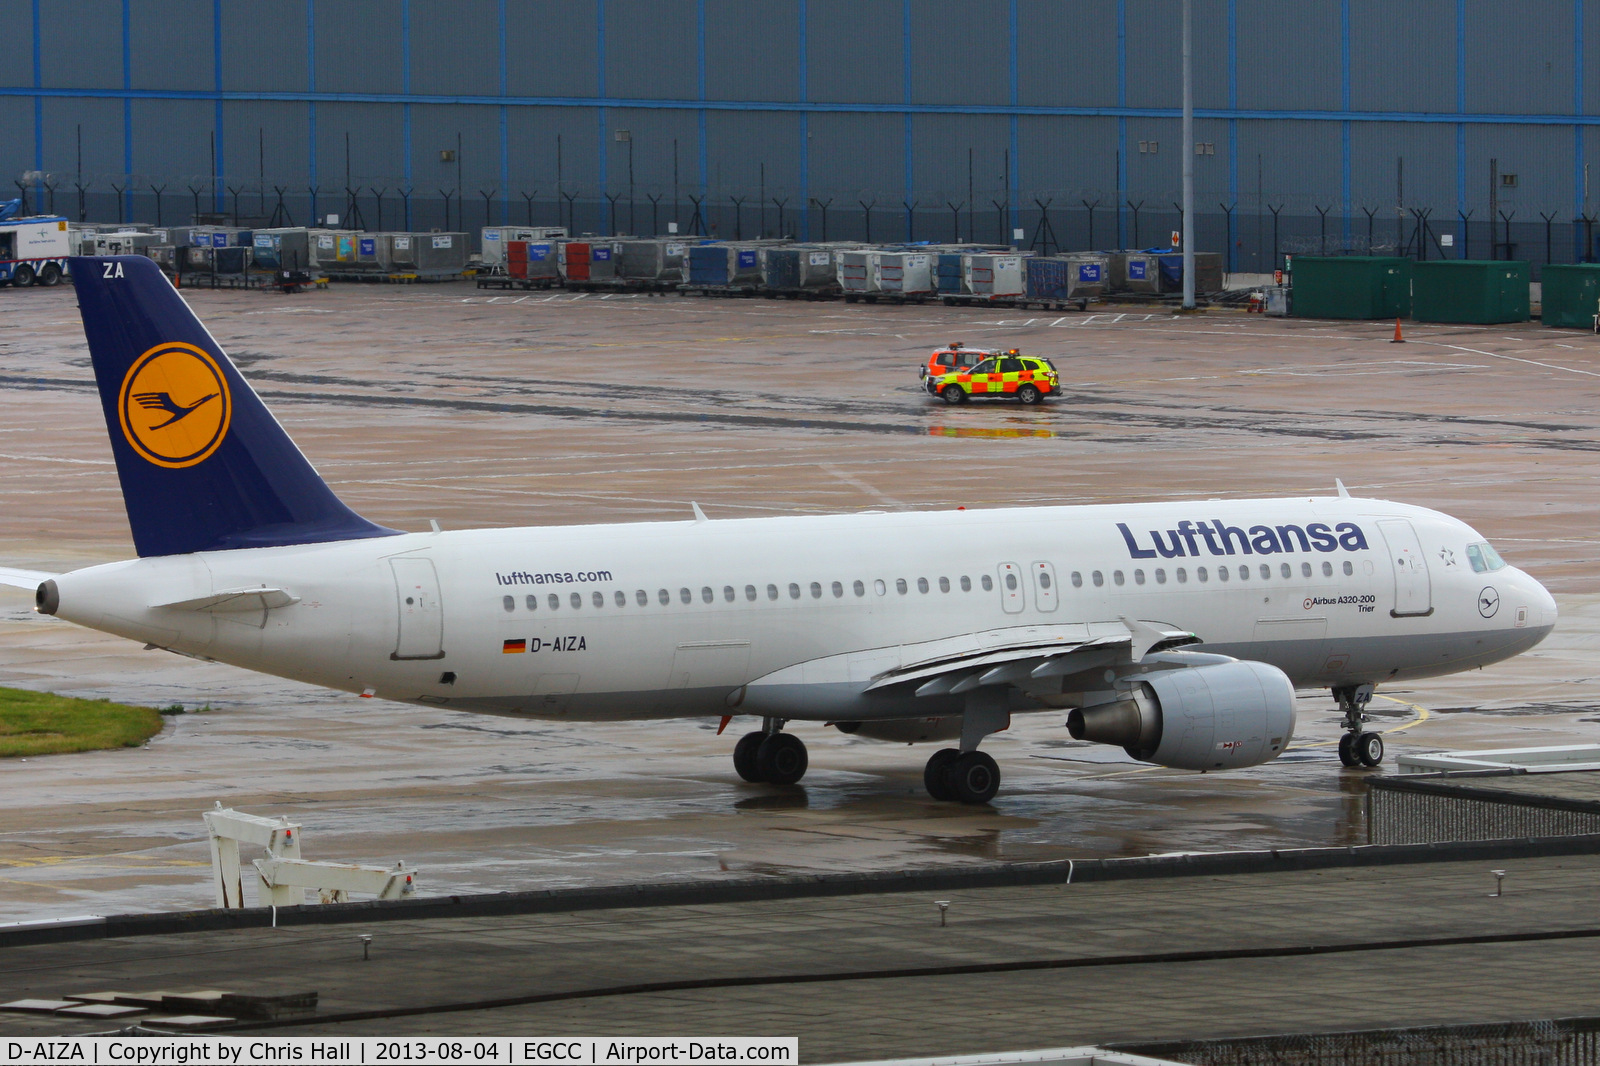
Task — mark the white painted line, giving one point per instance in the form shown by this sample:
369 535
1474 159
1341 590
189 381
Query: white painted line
1514 359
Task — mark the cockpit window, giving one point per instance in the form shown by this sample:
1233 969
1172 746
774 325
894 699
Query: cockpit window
1483 558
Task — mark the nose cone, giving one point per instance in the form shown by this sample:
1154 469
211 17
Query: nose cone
1541 605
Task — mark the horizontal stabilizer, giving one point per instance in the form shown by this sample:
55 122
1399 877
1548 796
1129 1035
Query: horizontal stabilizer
24 579
256 599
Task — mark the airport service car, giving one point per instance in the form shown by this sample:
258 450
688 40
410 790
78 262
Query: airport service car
954 356
1027 379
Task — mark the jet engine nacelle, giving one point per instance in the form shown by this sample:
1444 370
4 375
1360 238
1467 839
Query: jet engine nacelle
1215 717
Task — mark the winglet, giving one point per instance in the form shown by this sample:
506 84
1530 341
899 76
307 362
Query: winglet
699 515
1344 493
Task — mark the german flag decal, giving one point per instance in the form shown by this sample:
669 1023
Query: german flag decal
512 647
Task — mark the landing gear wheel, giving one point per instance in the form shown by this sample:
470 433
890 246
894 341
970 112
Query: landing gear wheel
936 775
1347 752
1028 395
781 759
50 275
973 778
744 756
1369 749
954 395
23 277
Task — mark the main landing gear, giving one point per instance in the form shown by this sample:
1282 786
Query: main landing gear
770 755
965 774
1357 748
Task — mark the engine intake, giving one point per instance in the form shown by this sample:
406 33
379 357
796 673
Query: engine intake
1219 716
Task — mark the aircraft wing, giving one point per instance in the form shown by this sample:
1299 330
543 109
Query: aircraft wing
1030 656
24 579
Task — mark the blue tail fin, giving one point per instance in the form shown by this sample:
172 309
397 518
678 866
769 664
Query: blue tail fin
203 464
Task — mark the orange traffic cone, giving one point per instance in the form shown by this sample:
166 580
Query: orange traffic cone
1397 338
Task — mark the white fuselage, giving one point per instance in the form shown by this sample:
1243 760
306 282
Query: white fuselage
693 618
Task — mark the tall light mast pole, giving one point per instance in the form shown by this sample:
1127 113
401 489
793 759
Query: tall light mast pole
1188 163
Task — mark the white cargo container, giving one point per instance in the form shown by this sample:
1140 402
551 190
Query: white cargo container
493 240
993 275
908 273
856 275
34 250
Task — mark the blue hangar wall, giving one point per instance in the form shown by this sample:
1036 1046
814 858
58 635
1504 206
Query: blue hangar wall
1321 123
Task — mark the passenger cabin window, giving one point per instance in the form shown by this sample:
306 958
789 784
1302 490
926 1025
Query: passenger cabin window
510 603
642 598
1183 576
1161 576
665 597
686 596
1138 577
727 594
1305 569
1200 573
922 584
859 588
1285 571
533 603
750 593
1348 568
988 583
1266 572
622 598
1077 580
555 602
816 590
794 591
1244 572
706 595
599 598
1099 578
1116 578
900 585
879 587
772 592
1222 573
577 600
966 583
1011 583
1327 568
944 584
838 590
1044 580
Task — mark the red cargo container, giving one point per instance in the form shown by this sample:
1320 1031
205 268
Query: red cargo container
575 261
517 259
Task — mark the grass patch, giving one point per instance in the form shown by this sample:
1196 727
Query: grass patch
39 723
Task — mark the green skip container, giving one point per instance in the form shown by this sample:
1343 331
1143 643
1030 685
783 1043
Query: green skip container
1571 295
1477 291
1351 286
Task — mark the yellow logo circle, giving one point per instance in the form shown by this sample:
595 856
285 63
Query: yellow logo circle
175 406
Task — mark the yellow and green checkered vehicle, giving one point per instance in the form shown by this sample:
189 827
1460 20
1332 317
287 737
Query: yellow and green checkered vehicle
1027 379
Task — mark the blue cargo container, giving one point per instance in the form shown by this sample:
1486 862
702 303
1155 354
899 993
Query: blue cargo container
1048 279
708 264
947 272
783 268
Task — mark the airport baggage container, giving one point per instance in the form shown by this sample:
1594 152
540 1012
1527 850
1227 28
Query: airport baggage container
574 260
948 272
856 275
724 264
651 260
1135 272
993 275
281 249
1571 295
532 260
1464 290
494 241
1207 272
331 250
440 253
34 250
125 242
231 260
403 252
1066 277
165 255
1352 286
794 268
910 273
602 260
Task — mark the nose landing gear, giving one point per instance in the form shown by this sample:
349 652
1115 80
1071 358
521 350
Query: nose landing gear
1356 747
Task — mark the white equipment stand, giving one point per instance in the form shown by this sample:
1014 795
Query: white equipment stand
284 875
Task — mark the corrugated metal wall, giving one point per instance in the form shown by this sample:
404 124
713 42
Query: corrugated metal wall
1302 106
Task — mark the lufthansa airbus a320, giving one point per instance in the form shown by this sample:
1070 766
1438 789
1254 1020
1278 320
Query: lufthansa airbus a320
1178 631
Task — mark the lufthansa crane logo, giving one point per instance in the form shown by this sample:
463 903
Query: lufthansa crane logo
175 406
